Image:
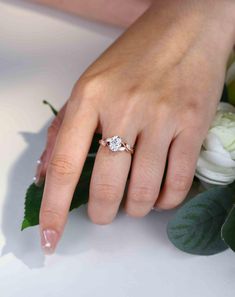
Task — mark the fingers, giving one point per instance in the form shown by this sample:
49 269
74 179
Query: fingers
51 137
65 165
147 169
108 179
182 159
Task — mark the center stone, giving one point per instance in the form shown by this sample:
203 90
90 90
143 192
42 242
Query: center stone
114 143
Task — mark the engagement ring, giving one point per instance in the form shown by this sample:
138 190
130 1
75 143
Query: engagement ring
115 143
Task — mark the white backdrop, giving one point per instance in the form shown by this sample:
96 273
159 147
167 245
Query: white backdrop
42 53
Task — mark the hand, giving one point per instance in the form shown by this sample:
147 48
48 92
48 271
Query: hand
157 87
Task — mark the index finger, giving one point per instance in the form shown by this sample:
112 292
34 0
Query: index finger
64 169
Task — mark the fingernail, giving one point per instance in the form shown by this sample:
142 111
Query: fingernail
37 178
49 240
157 209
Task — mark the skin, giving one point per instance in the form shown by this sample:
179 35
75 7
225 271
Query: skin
117 12
158 87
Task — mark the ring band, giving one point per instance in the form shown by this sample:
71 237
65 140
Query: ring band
115 143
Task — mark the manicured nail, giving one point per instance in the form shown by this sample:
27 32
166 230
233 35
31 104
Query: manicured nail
49 240
37 178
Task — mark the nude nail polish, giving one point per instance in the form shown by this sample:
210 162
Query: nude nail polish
49 240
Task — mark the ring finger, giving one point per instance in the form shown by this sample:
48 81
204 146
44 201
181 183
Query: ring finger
109 178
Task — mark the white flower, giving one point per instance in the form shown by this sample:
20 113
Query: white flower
216 163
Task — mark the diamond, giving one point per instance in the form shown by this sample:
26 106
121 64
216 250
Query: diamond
114 143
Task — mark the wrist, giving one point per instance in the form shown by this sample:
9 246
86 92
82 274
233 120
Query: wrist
215 17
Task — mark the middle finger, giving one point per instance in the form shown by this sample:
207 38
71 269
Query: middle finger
148 168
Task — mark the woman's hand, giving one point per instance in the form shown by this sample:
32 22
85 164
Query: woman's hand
157 87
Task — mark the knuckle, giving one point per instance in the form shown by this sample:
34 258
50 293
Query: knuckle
133 91
51 215
106 193
61 167
191 111
162 112
164 106
141 194
87 88
179 182
128 106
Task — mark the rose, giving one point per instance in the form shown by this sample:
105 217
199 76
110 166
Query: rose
216 162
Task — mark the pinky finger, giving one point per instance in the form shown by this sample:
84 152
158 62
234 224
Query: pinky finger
182 160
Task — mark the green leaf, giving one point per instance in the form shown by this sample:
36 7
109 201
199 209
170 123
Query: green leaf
231 92
32 206
55 112
228 228
196 226
34 196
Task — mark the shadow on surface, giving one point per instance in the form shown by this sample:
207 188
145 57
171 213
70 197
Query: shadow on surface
22 244
125 235
25 245
80 235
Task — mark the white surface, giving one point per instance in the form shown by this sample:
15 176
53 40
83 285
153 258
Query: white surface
42 53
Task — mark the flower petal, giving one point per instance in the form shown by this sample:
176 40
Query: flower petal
212 143
225 106
232 154
218 159
214 172
212 182
226 135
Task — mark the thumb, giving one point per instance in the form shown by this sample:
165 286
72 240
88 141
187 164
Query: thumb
52 132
